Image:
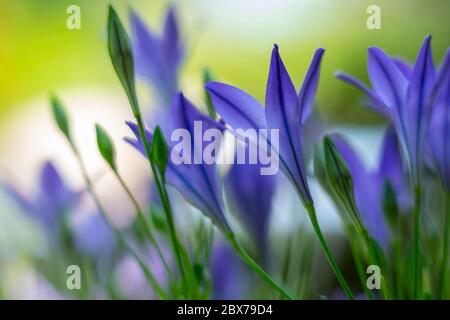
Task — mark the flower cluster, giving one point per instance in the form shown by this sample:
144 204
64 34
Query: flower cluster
178 254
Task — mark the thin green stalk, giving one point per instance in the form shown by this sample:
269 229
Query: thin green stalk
373 259
255 267
358 263
417 269
144 222
398 267
164 199
313 217
119 237
444 271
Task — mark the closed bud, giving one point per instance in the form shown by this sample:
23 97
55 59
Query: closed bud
106 147
122 57
160 152
340 181
60 116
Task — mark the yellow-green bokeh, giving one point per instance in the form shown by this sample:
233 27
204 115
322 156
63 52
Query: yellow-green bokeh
38 54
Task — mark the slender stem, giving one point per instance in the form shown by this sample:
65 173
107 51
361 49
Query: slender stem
417 269
118 236
313 217
356 252
444 271
255 267
398 267
143 221
374 260
164 199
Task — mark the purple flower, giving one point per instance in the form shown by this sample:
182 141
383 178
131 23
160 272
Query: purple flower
285 111
158 58
406 97
94 236
197 182
53 199
439 133
251 195
229 276
369 184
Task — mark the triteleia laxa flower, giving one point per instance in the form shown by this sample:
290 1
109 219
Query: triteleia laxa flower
158 57
405 96
198 183
369 184
439 133
285 111
53 199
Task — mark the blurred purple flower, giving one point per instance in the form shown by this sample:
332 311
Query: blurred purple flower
369 184
285 111
131 281
158 58
94 236
198 183
229 276
53 199
406 97
251 195
439 133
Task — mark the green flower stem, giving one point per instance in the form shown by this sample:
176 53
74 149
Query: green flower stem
444 271
313 217
143 221
373 260
356 253
398 267
417 269
118 235
255 267
165 201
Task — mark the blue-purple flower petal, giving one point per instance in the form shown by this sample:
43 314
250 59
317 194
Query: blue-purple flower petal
282 114
197 182
309 86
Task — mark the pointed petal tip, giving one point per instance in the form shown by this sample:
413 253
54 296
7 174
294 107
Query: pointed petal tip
426 42
338 74
275 52
180 95
376 51
214 87
171 11
341 75
129 140
132 14
210 85
373 49
130 123
48 165
133 127
320 51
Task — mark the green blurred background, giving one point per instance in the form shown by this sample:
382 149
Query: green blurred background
234 38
